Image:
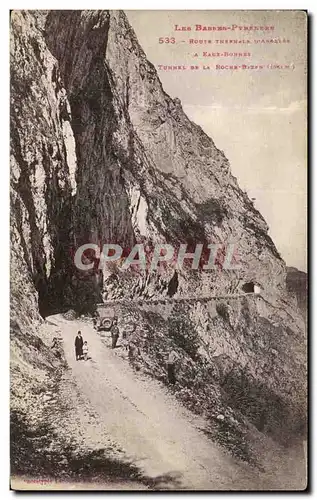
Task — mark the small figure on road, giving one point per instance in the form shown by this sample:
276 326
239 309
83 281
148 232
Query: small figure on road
125 340
114 333
171 361
85 350
126 335
96 319
79 345
134 355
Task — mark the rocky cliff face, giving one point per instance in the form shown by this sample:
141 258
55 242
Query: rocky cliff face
100 153
143 168
43 161
296 283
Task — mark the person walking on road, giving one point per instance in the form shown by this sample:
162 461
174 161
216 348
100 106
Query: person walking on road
79 345
171 361
114 333
127 334
85 350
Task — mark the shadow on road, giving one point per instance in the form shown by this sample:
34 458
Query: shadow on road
31 458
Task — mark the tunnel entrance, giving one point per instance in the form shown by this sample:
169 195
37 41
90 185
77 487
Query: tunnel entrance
251 288
69 290
248 287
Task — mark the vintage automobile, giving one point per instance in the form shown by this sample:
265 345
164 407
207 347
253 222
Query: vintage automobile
104 318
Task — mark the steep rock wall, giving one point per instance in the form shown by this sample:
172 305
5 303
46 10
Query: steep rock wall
143 153
100 153
43 161
178 188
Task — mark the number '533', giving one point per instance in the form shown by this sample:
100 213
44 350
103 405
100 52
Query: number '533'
166 39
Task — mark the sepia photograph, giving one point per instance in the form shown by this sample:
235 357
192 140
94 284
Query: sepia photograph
158 250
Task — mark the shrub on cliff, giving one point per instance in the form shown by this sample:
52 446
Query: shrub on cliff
183 332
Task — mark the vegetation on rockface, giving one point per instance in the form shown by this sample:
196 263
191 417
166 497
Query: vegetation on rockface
222 310
198 377
182 332
238 387
34 387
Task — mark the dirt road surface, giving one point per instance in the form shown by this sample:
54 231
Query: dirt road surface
155 431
